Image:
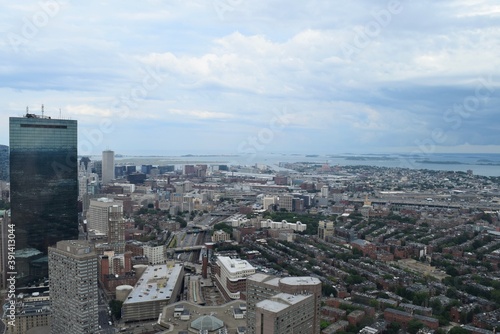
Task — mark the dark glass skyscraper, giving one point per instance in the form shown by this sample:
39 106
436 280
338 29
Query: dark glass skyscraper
44 189
4 163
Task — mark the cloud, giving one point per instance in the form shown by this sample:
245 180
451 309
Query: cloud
79 111
230 71
200 114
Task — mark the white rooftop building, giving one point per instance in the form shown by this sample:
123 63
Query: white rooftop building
158 286
155 255
231 275
298 226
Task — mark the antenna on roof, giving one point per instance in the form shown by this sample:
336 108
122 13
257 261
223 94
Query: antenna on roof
42 110
27 110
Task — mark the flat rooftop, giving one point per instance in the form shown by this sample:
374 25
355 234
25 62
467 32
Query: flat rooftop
234 265
304 280
280 302
37 306
268 279
157 282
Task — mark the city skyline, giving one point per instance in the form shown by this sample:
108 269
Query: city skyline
235 77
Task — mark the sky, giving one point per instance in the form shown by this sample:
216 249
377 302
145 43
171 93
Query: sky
245 77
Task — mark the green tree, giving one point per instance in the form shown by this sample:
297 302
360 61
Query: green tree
181 221
354 279
419 298
458 330
452 271
487 217
328 289
393 328
225 227
414 326
323 324
116 308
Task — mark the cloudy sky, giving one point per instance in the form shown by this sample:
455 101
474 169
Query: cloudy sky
241 76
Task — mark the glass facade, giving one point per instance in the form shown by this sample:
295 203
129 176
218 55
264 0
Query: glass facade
4 163
44 190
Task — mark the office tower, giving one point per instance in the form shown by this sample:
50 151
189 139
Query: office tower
155 254
324 191
326 229
44 189
106 216
269 201
286 202
272 302
189 169
4 163
367 207
97 168
108 166
73 287
146 169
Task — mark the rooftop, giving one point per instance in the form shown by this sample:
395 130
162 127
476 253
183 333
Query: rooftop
304 280
280 302
157 282
37 306
27 252
234 265
259 277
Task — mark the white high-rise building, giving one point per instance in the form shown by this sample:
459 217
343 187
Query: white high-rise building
155 255
231 275
324 191
268 201
73 288
106 216
108 166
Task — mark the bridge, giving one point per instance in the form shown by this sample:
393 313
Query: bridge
185 249
431 204
394 201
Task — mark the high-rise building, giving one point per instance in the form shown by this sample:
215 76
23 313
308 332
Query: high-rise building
268 201
73 287
108 166
326 229
106 216
285 313
324 191
275 307
4 163
44 189
231 276
286 202
155 254
97 168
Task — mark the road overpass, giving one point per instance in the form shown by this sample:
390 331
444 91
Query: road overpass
430 204
185 249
